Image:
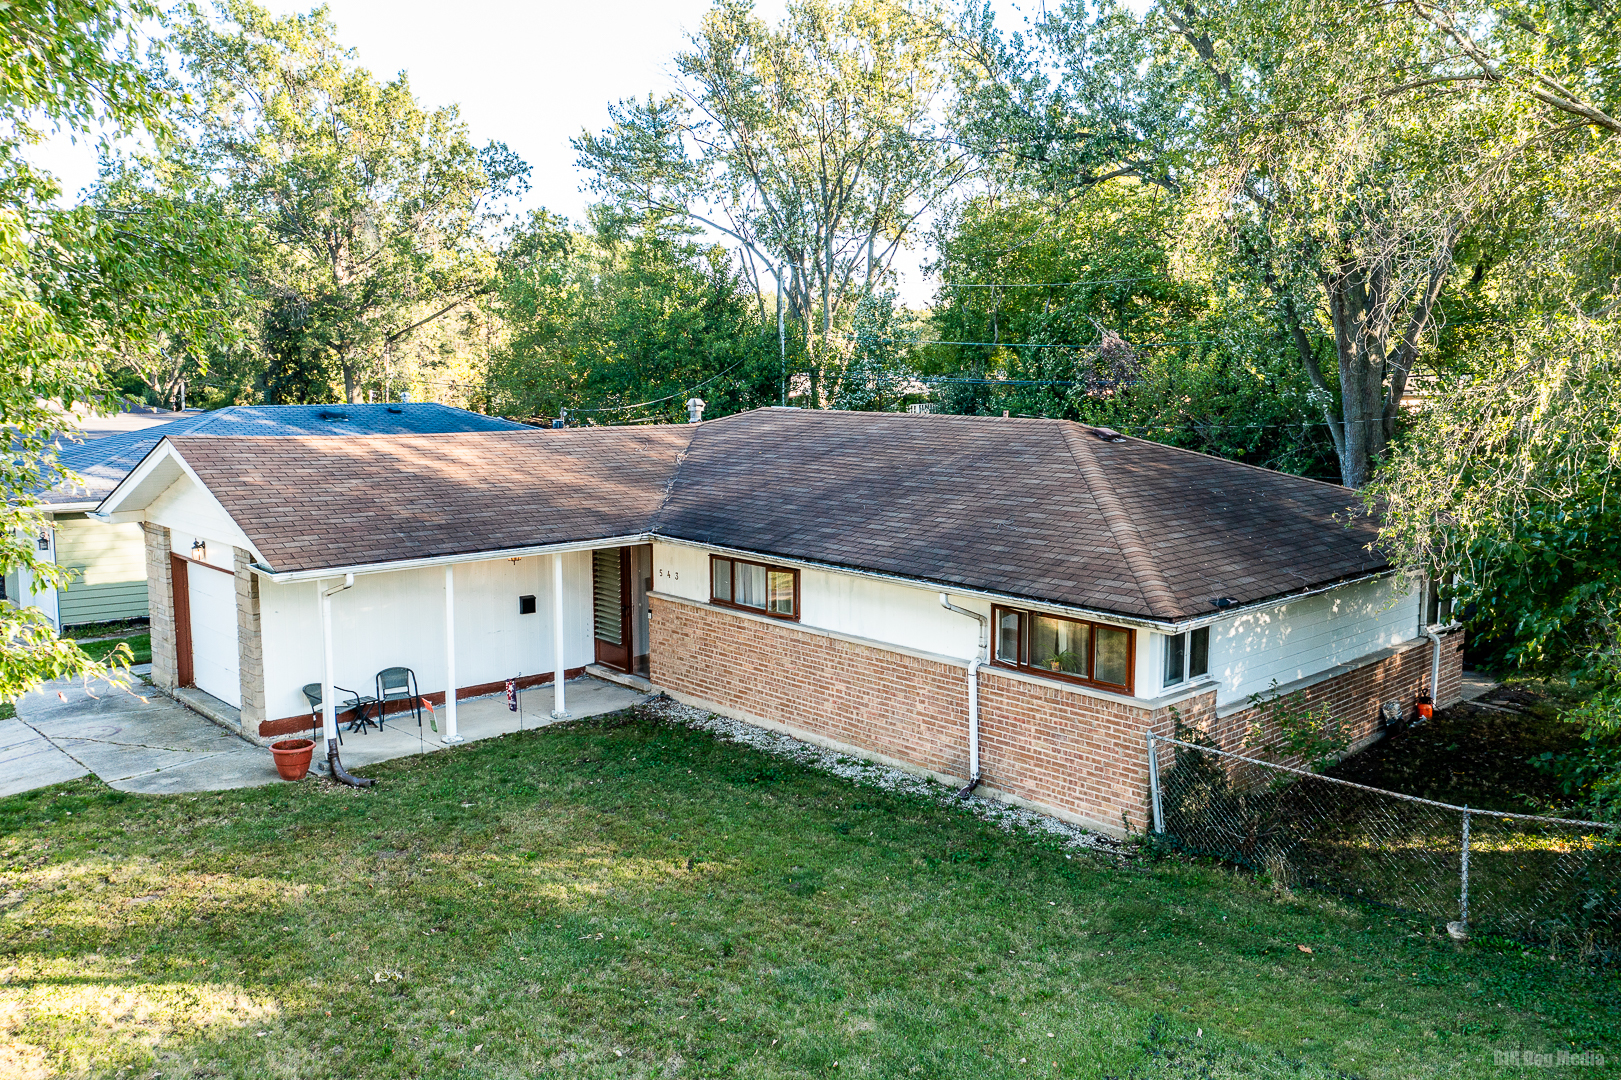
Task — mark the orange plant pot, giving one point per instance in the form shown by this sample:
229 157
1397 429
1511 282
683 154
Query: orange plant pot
293 757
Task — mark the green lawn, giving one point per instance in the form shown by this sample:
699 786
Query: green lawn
139 644
631 898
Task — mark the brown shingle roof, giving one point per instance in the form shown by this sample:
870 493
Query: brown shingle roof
1042 509
309 502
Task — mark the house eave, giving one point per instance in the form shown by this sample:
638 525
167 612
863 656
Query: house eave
284 577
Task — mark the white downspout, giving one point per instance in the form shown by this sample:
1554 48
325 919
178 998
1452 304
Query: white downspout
973 690
452 736
559 705
329 707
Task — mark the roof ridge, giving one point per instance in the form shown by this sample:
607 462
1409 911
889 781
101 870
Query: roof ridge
1156 592
657 518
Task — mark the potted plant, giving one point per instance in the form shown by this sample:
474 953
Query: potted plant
293 757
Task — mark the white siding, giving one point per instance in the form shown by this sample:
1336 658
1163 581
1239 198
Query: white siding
190 512
398 619
890 613
1301 638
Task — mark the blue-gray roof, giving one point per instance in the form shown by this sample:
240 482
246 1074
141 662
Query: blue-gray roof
103 463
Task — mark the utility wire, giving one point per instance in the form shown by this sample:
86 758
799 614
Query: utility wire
662 400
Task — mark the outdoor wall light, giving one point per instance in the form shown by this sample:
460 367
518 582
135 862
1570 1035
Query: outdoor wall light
199 550
44 541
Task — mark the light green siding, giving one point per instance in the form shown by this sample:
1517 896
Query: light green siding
109 564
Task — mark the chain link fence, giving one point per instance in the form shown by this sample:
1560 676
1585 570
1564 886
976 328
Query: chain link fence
1554 882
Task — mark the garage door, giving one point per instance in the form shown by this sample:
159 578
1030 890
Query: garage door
213 633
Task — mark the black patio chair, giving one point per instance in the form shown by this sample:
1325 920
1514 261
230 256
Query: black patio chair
398 684
355 703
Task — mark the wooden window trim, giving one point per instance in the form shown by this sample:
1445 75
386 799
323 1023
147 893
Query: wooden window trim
768 568
1024 665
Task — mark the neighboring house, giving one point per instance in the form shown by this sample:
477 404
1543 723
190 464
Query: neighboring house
792 569
109 561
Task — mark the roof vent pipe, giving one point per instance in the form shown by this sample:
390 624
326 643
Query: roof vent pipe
695 410
973 691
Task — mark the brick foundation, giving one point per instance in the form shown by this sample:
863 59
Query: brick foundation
1079 755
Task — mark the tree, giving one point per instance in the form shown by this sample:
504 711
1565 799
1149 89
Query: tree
70 66
169 289
811 145
878 374
1077 310
1348 156
377 209
624 322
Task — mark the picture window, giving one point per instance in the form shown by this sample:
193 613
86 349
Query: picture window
770 590
1074 650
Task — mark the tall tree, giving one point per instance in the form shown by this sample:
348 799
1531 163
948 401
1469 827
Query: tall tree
601 321
378 208
75 67
1347 154
811 144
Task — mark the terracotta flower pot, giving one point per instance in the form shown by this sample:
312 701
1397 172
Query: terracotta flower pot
293 757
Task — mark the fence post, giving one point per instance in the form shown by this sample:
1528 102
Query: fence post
1153 783
1463 915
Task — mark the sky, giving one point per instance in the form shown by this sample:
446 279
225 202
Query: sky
529 74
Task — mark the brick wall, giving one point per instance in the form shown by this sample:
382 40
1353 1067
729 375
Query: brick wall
160 601
1080 755
249 644
1072 753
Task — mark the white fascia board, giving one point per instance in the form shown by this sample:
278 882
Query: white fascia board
50 509
1024 603
117 507
285 577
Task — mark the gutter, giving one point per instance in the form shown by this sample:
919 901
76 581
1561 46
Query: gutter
1025 602
973 690
290 576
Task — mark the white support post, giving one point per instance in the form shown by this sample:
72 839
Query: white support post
329 711
452 736
559 706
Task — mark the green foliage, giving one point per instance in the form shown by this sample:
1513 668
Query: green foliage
1287 729
73 66
373 210
1110 296
623 314
879 374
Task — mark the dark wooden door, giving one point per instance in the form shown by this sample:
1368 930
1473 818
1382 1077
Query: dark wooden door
178 574
610 607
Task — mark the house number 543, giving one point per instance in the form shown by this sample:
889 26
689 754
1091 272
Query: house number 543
673 575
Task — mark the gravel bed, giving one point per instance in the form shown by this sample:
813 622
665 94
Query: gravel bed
883 777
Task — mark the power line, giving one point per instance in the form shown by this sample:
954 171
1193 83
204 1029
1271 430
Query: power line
660 401
1045 284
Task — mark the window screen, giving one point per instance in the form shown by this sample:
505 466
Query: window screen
1176 658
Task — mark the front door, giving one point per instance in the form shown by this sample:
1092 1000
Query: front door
610 594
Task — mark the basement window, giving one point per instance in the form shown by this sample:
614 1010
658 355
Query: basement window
1187 656
770 590
1074 650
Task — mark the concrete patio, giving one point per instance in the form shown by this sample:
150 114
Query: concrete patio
66 730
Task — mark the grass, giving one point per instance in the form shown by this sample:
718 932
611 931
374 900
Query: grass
628 898
139 644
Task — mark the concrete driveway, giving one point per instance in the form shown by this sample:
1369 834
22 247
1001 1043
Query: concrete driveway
66 730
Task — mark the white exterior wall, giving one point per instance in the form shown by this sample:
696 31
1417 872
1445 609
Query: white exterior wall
191 513
885 612
398 619
1299 639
